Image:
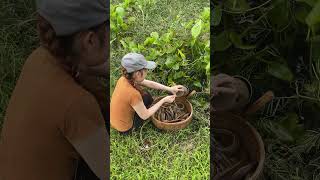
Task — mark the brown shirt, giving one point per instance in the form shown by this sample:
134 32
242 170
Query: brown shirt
123 98
46 112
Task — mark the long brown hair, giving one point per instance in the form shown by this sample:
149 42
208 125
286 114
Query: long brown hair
129 77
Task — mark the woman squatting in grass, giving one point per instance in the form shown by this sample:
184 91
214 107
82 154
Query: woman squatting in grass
130 104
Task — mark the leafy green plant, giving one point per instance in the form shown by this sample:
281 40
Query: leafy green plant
180 59
275 44
119 20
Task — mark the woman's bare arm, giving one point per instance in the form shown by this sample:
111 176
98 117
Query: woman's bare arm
154 85
145 113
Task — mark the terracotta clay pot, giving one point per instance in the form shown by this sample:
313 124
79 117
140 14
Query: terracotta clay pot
250 142
252 146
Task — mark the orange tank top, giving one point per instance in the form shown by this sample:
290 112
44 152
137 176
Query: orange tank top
124 97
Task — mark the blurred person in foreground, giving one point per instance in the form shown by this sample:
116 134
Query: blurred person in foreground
230 93
54 127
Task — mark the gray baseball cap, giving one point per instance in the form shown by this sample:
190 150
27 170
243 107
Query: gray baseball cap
134 62
71 16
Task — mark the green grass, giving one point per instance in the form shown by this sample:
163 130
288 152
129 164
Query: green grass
18 38
172 155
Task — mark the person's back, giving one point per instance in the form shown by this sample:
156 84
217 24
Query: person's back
53 126
40 119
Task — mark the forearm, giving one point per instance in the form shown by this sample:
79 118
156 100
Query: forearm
155 85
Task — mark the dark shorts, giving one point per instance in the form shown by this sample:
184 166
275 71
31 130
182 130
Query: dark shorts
137 121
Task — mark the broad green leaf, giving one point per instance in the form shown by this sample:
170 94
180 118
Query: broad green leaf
183 56
153 54
189 24
280 71
155 35
170 62
206 58
221 42
196 29
217 14
176 66
170 80
237 41
123 44
132 46
119 21
113 14
197 84
148 41
141 47
124 26
127 2
167 37
178 75
314 16
205 15
120 11
177 44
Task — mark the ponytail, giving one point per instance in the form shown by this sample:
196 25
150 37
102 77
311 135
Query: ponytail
129 77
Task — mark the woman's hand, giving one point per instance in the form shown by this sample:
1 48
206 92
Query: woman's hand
228 93
145 113
169 99
175 89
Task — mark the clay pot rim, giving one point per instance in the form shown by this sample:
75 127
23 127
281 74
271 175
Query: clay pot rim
262 156
259 169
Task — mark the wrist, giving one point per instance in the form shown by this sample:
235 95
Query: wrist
161 101
167 88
